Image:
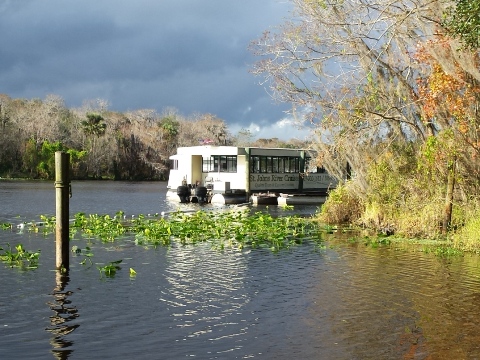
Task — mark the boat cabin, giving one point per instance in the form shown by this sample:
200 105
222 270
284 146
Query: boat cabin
241 172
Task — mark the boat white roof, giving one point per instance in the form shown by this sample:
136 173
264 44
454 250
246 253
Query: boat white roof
209 150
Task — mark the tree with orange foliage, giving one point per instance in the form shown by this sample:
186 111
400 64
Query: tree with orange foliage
450 98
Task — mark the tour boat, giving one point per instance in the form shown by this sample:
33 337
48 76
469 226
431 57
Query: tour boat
235 175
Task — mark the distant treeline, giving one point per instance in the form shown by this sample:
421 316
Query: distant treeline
103 144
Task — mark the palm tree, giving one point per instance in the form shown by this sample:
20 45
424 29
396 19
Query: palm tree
94 127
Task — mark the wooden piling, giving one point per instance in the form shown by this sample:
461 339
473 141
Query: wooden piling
62 184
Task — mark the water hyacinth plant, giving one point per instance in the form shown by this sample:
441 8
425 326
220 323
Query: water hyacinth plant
19 257
87 253
223 230
48 223
236 229
6 226
110 269
102 226
226 230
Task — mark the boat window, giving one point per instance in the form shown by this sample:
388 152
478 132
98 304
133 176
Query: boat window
274 164
292 165
310 166
207 164
174 164
231 163
219 163
281 164
263 164
269 164
255 164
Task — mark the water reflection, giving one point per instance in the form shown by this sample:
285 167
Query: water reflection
205 297
60 325
394 304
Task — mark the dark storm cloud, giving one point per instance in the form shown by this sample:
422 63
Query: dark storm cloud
188 54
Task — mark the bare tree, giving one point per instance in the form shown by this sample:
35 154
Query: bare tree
374 75
209 129
350 64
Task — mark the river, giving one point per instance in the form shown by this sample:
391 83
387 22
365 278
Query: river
348 300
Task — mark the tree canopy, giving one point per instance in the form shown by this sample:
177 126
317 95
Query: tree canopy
462 20
135 145
392 94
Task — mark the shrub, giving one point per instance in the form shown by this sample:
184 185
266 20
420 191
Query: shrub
343 206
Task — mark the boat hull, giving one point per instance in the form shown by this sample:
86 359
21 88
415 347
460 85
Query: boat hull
173 196
264 199
228 199
301 200
255 199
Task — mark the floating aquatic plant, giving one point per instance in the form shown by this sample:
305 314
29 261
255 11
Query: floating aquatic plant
19 257
237 229
102 226
6 226
87 253
48 223
110 269
222 230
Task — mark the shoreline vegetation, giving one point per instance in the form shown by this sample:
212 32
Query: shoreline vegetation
104 144
401 110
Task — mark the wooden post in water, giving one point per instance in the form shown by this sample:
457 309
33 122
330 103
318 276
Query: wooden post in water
62 184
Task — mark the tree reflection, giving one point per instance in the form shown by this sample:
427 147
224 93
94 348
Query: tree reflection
60 322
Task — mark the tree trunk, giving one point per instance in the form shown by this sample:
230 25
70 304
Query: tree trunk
447 215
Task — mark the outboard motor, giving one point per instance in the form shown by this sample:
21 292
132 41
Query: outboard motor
201 194
183 193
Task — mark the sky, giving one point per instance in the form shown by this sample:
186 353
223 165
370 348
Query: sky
190 55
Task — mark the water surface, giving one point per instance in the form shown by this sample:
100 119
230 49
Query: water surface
345 301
